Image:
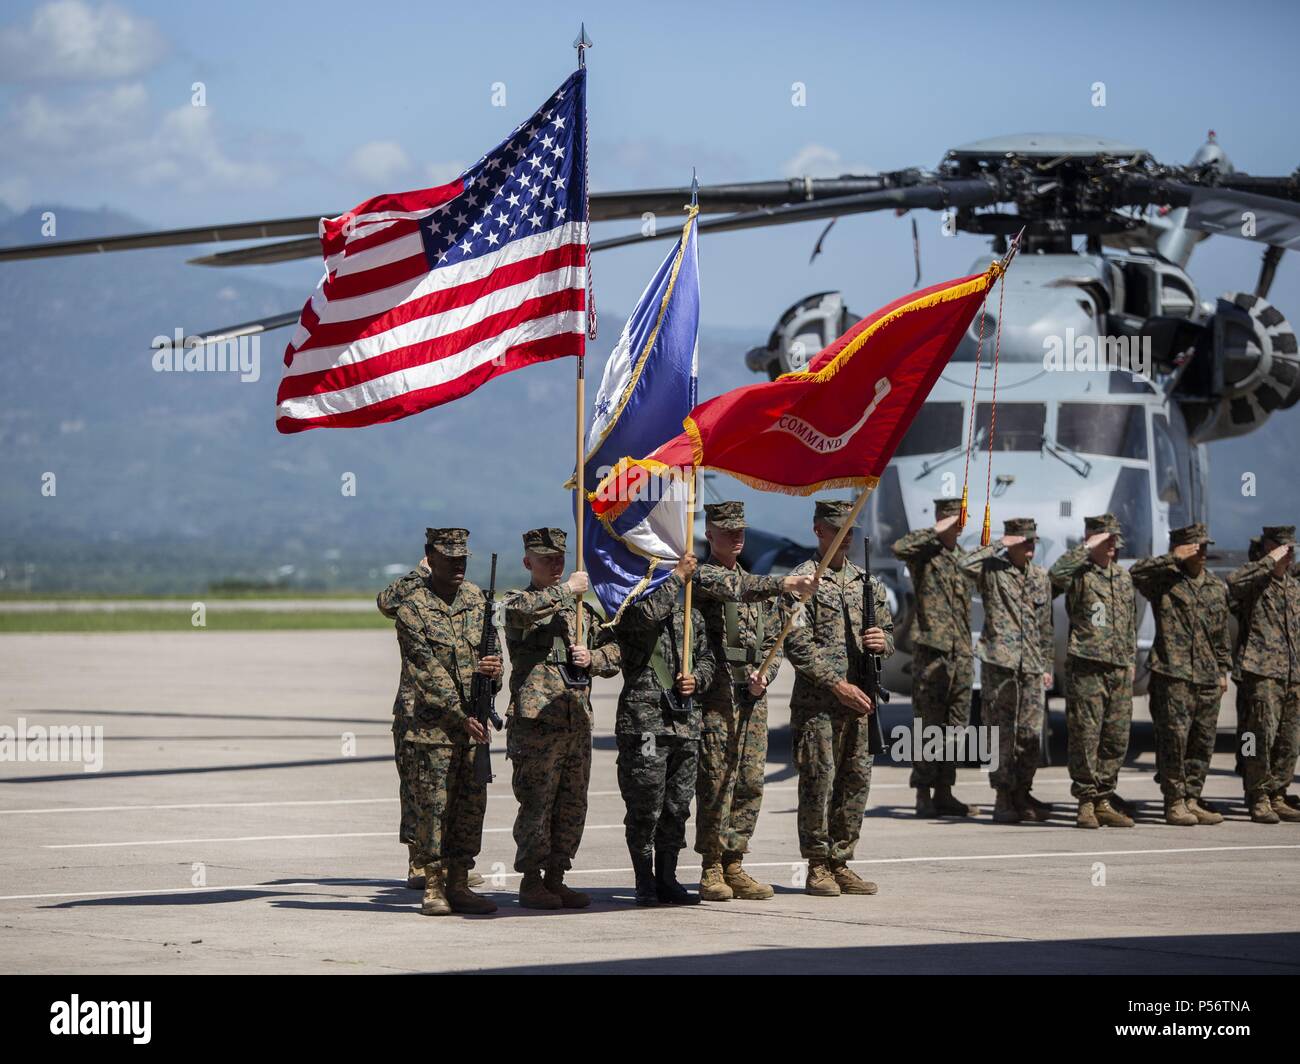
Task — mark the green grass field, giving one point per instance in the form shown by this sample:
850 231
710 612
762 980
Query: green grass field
231 620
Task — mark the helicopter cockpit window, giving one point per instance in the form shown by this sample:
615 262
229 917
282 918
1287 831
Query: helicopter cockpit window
1019 426
1115 429
1176 299
1168 488
937 428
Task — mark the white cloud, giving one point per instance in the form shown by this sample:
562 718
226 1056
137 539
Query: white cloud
443 173
68 40
378 163
817 160
114 134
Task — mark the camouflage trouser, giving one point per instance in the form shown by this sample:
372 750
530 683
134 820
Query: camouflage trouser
552 767
1243 711
1098 714
729 787
448 804
834 765
1185 716
656 775
1273 721
406 823
1012 702
941 691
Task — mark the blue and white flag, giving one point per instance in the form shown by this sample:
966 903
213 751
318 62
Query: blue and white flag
648 389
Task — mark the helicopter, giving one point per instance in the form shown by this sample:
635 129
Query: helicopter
1129 437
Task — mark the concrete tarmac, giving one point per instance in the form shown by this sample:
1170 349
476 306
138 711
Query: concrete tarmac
244 820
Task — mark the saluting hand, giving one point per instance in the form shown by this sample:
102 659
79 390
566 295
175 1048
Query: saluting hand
1186 550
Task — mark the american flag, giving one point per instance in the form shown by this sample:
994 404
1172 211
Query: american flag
429 294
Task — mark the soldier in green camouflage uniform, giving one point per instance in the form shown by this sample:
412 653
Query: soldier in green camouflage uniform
1099 667
1016 655
1267 597
1253 554
743 617
657 728
403 706
549 722
942 658
1189 663
828 708
439 626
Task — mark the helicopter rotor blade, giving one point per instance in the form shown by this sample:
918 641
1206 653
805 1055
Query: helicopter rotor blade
208 234
233 332
262 254
742 196
937 195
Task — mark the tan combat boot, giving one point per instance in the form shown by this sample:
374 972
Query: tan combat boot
569 898
1027 808
1110 817
1177 813
474 879
947 804
461 898
414 871
533 893
713 887
924 803
1282 810
742 884
849 881
1203 815
435 901
820 884
1261 811
1004 810
1087 817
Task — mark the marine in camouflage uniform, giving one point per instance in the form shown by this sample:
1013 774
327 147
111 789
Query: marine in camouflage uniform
439 626
1099 666
1267 597
403 706
549 721
1253 554
1016 655
657 730
742 615
1189 662
942 657
828 708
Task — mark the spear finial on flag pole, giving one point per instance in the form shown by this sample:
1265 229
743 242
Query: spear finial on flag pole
582 42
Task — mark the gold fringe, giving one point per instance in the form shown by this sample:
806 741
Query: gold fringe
961 291
637 588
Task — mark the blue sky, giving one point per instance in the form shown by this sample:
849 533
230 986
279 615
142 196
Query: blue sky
311 107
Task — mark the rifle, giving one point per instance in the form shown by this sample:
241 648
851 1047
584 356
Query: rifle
482 696
869 664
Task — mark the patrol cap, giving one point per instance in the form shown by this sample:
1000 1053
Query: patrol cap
1020 526
729 516
545 540
1194 533
449 542
833 512
946 508
1107 523
1279 534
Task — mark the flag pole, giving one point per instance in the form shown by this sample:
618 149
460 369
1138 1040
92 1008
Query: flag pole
582 43
690 547
821 569
690 491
